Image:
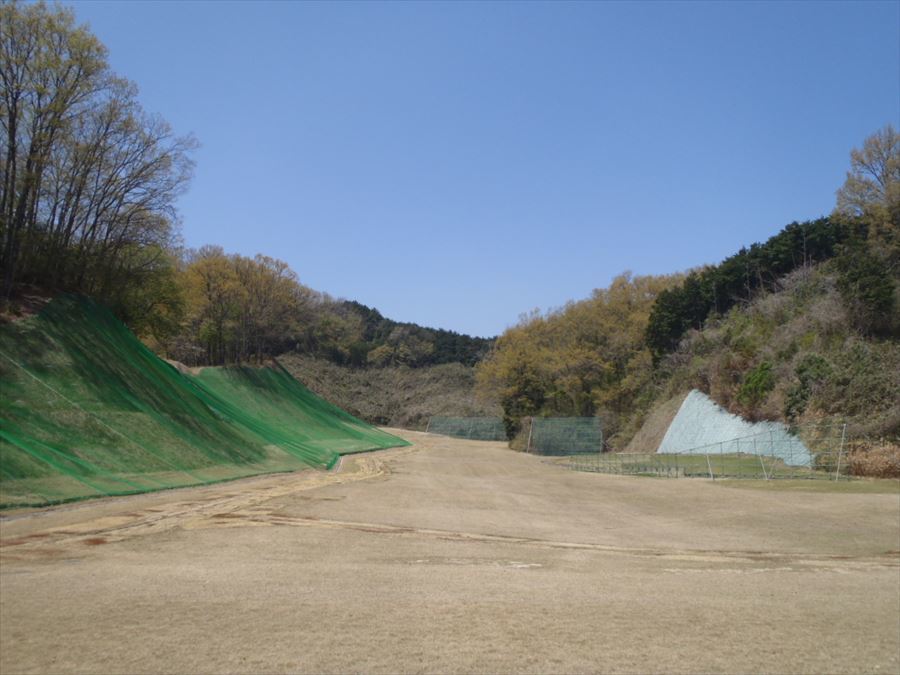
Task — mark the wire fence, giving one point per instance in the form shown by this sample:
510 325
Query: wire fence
472 428
816 452
564 435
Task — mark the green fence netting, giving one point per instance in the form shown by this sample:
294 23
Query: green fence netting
473 428
87 410
565 435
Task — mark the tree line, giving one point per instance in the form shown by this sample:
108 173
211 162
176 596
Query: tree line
717 288
384 342
88 179
88 185
232 308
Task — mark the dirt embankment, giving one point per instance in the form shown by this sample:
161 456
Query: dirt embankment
650 435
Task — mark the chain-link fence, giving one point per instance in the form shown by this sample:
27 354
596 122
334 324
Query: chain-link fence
472 428
808 452
565 436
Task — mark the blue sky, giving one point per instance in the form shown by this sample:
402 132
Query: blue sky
459 164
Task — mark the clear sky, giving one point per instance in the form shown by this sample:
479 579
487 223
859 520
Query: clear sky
458 164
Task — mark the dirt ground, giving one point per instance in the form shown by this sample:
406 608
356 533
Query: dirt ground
454 556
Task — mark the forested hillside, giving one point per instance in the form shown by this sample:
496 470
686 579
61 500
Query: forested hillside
794 354
801 327
231 308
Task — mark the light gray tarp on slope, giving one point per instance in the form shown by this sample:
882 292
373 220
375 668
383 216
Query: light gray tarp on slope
703 427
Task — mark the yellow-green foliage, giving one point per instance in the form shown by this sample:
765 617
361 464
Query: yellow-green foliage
793 355
239 308
586 358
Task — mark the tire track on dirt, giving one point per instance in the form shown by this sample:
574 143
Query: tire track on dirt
889 559
140 522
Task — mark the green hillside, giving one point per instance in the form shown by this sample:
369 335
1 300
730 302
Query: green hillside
87 410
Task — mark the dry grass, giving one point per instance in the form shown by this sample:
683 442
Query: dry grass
454 556
651 434
876 459
26 301
394 396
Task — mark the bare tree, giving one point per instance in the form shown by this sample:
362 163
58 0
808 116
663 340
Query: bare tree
872 188
89 180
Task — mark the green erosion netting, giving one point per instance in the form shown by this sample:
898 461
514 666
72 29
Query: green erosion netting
87 410
473 428
565 435
269 399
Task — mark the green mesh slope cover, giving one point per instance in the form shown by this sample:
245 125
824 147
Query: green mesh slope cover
565 435
87 410
474 428
271 402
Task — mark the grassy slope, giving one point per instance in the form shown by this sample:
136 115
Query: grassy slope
393 396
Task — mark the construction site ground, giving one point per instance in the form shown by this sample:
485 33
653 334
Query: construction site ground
454 556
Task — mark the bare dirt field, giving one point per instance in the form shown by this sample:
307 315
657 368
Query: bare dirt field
454 556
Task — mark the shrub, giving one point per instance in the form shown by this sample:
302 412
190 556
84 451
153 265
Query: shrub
811 373
867 287
757 384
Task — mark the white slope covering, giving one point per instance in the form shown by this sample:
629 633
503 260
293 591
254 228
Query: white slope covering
703 427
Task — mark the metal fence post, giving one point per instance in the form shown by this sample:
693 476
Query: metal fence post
837 473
